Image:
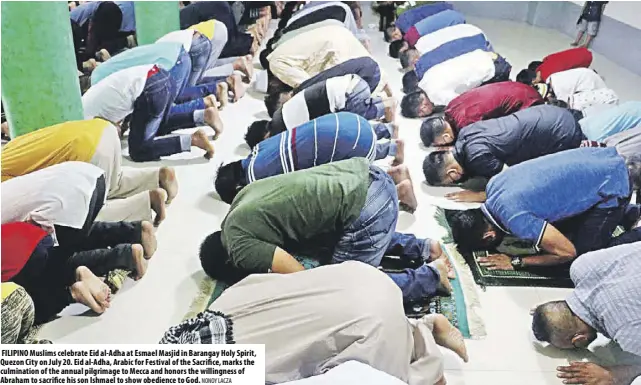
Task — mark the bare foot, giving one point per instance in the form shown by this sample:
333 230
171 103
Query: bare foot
235 83
444 285
90 65
158 197
168 182
199 138
405 192
436 253
138 255
90 291
222 94
447 336
394 131
390 113
400 152
399 173
5 129
213 120
243 65
148 239
211 101
103 55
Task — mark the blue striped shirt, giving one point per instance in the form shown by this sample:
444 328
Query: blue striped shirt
607 294
327 139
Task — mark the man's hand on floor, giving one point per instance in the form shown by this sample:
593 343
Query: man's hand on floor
496 262
585 373
467 196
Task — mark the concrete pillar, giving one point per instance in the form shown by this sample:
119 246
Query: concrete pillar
155 19
39 76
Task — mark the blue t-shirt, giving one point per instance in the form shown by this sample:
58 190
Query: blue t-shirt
450 50
327 139
611 121
128 16
441 20
412 16
523 199
164 55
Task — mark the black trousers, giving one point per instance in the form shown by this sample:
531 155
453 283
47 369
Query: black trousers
99 246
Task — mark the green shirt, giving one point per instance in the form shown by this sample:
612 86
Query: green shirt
299 212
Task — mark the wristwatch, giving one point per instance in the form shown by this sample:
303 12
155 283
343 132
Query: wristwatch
517 262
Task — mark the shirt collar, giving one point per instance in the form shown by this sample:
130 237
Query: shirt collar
489 216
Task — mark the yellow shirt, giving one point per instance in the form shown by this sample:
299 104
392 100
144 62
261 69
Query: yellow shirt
7 289
205 27
69 141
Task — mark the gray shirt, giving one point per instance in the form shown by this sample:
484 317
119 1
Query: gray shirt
608 293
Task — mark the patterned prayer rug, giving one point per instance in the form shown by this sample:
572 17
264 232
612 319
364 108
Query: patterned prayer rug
459 308
558 276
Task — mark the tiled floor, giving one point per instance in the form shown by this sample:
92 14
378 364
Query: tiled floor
141 312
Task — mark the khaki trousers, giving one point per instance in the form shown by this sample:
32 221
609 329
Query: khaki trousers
318 319
128 188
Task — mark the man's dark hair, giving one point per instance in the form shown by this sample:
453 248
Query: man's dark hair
405 57
395 48
526 76
387 34
256 132
410 82
275 85
230 178
432 127
411 102
633 163
552 319
468 228
216 262
534 65
272 102
434 167
105 23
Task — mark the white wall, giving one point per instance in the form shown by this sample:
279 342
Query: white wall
628 12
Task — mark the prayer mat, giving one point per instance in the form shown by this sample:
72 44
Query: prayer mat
456 307
558 276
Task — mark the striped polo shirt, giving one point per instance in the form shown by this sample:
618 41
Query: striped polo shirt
327 139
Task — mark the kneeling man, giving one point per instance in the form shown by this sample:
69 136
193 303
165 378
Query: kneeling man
334 213
567 204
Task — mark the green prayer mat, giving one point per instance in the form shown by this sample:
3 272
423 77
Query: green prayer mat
557 276
453 307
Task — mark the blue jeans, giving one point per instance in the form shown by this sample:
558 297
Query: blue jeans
150 110
372 236
383 130
361 102
199 54
593 229
180 73
200 91
383 150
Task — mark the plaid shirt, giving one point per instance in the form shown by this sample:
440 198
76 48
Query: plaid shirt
608 293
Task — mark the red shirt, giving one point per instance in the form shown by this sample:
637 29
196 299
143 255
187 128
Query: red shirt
565 60
19 240
490 101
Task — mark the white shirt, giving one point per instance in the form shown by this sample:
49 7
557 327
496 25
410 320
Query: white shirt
433 40
567 83
113 98
296 110
183 37
56 195
590 101
447 80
